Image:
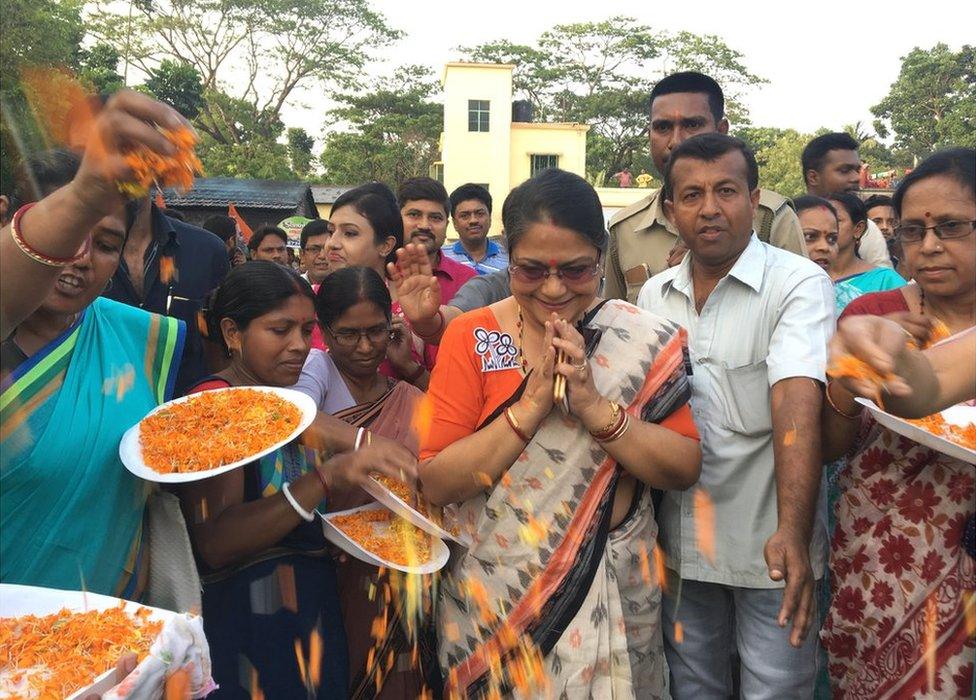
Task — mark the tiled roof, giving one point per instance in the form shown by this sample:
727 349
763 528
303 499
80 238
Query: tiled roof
219 191
326 194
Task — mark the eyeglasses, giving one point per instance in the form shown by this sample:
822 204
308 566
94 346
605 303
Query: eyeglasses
569 274
314 250
947 230
349 337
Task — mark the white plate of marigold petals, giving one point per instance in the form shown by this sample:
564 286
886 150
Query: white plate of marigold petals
956 419
19 602
215 431
353 531
398 496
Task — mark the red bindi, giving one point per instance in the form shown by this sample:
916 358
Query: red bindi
552 263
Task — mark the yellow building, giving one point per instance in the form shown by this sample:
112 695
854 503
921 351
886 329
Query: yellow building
482 143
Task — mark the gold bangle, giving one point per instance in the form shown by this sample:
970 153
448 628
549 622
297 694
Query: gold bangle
612 423
618 433
833 406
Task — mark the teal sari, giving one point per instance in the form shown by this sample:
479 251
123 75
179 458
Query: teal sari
70 513
880 279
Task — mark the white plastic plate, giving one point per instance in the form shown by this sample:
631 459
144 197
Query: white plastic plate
439 553
389 499
957 415
18 600
130 451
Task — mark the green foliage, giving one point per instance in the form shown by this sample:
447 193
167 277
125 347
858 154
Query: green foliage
394 130
600 73
778 154
300 151
99 69
256 157
932 104
34 33
178 84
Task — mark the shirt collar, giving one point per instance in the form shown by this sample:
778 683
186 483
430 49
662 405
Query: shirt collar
654 214
163 230
749 269
491 249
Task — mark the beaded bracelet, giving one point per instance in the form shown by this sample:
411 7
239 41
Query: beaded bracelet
35 254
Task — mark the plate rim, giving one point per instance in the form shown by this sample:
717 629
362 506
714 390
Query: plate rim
130 439
411 514
904 424
434 565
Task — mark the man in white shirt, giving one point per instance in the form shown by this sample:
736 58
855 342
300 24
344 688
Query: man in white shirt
831 164
758 321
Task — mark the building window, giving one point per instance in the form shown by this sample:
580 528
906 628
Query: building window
542 162
437 171
478 115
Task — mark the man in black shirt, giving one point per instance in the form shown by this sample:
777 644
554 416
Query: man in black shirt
170 267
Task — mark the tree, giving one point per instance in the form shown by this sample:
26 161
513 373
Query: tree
99 69
178 84
600 73
300 151
932 104
778 155
36 33
395 129
251 55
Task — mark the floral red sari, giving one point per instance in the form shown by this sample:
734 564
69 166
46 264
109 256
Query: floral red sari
901 580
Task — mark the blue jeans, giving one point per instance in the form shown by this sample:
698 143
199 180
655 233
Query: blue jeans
717 619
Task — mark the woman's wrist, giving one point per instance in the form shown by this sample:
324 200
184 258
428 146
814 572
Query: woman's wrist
598 414
430 328
841 400
528 415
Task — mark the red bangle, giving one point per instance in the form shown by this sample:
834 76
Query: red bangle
514 425
325 484
417 374
34 254
440 328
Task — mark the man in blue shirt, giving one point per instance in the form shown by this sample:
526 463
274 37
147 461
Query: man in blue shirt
170 267
471 215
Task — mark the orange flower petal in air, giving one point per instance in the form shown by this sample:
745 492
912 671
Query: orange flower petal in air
705 523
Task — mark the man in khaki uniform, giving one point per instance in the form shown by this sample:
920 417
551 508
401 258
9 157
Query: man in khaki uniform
682 105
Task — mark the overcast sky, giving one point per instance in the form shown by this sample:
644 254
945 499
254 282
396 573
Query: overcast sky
827 62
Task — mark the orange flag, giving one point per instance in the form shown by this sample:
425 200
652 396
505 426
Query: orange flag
235 215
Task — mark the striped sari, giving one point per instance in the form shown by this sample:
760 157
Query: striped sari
544 559
70 513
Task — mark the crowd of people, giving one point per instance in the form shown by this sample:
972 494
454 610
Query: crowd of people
703 513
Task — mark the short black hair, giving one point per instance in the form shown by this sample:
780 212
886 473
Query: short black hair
348 286
557 196
709 148
468 192
375 202
691 81
853 204
315 227
815 153
423 188
877 200
223 226
41 173
249 291
956 163
262 233
812 201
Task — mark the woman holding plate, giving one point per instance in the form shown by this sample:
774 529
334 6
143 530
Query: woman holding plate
270 602
353 309
78 370
900 575
557 499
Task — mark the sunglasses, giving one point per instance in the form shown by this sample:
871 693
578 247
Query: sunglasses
575 273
